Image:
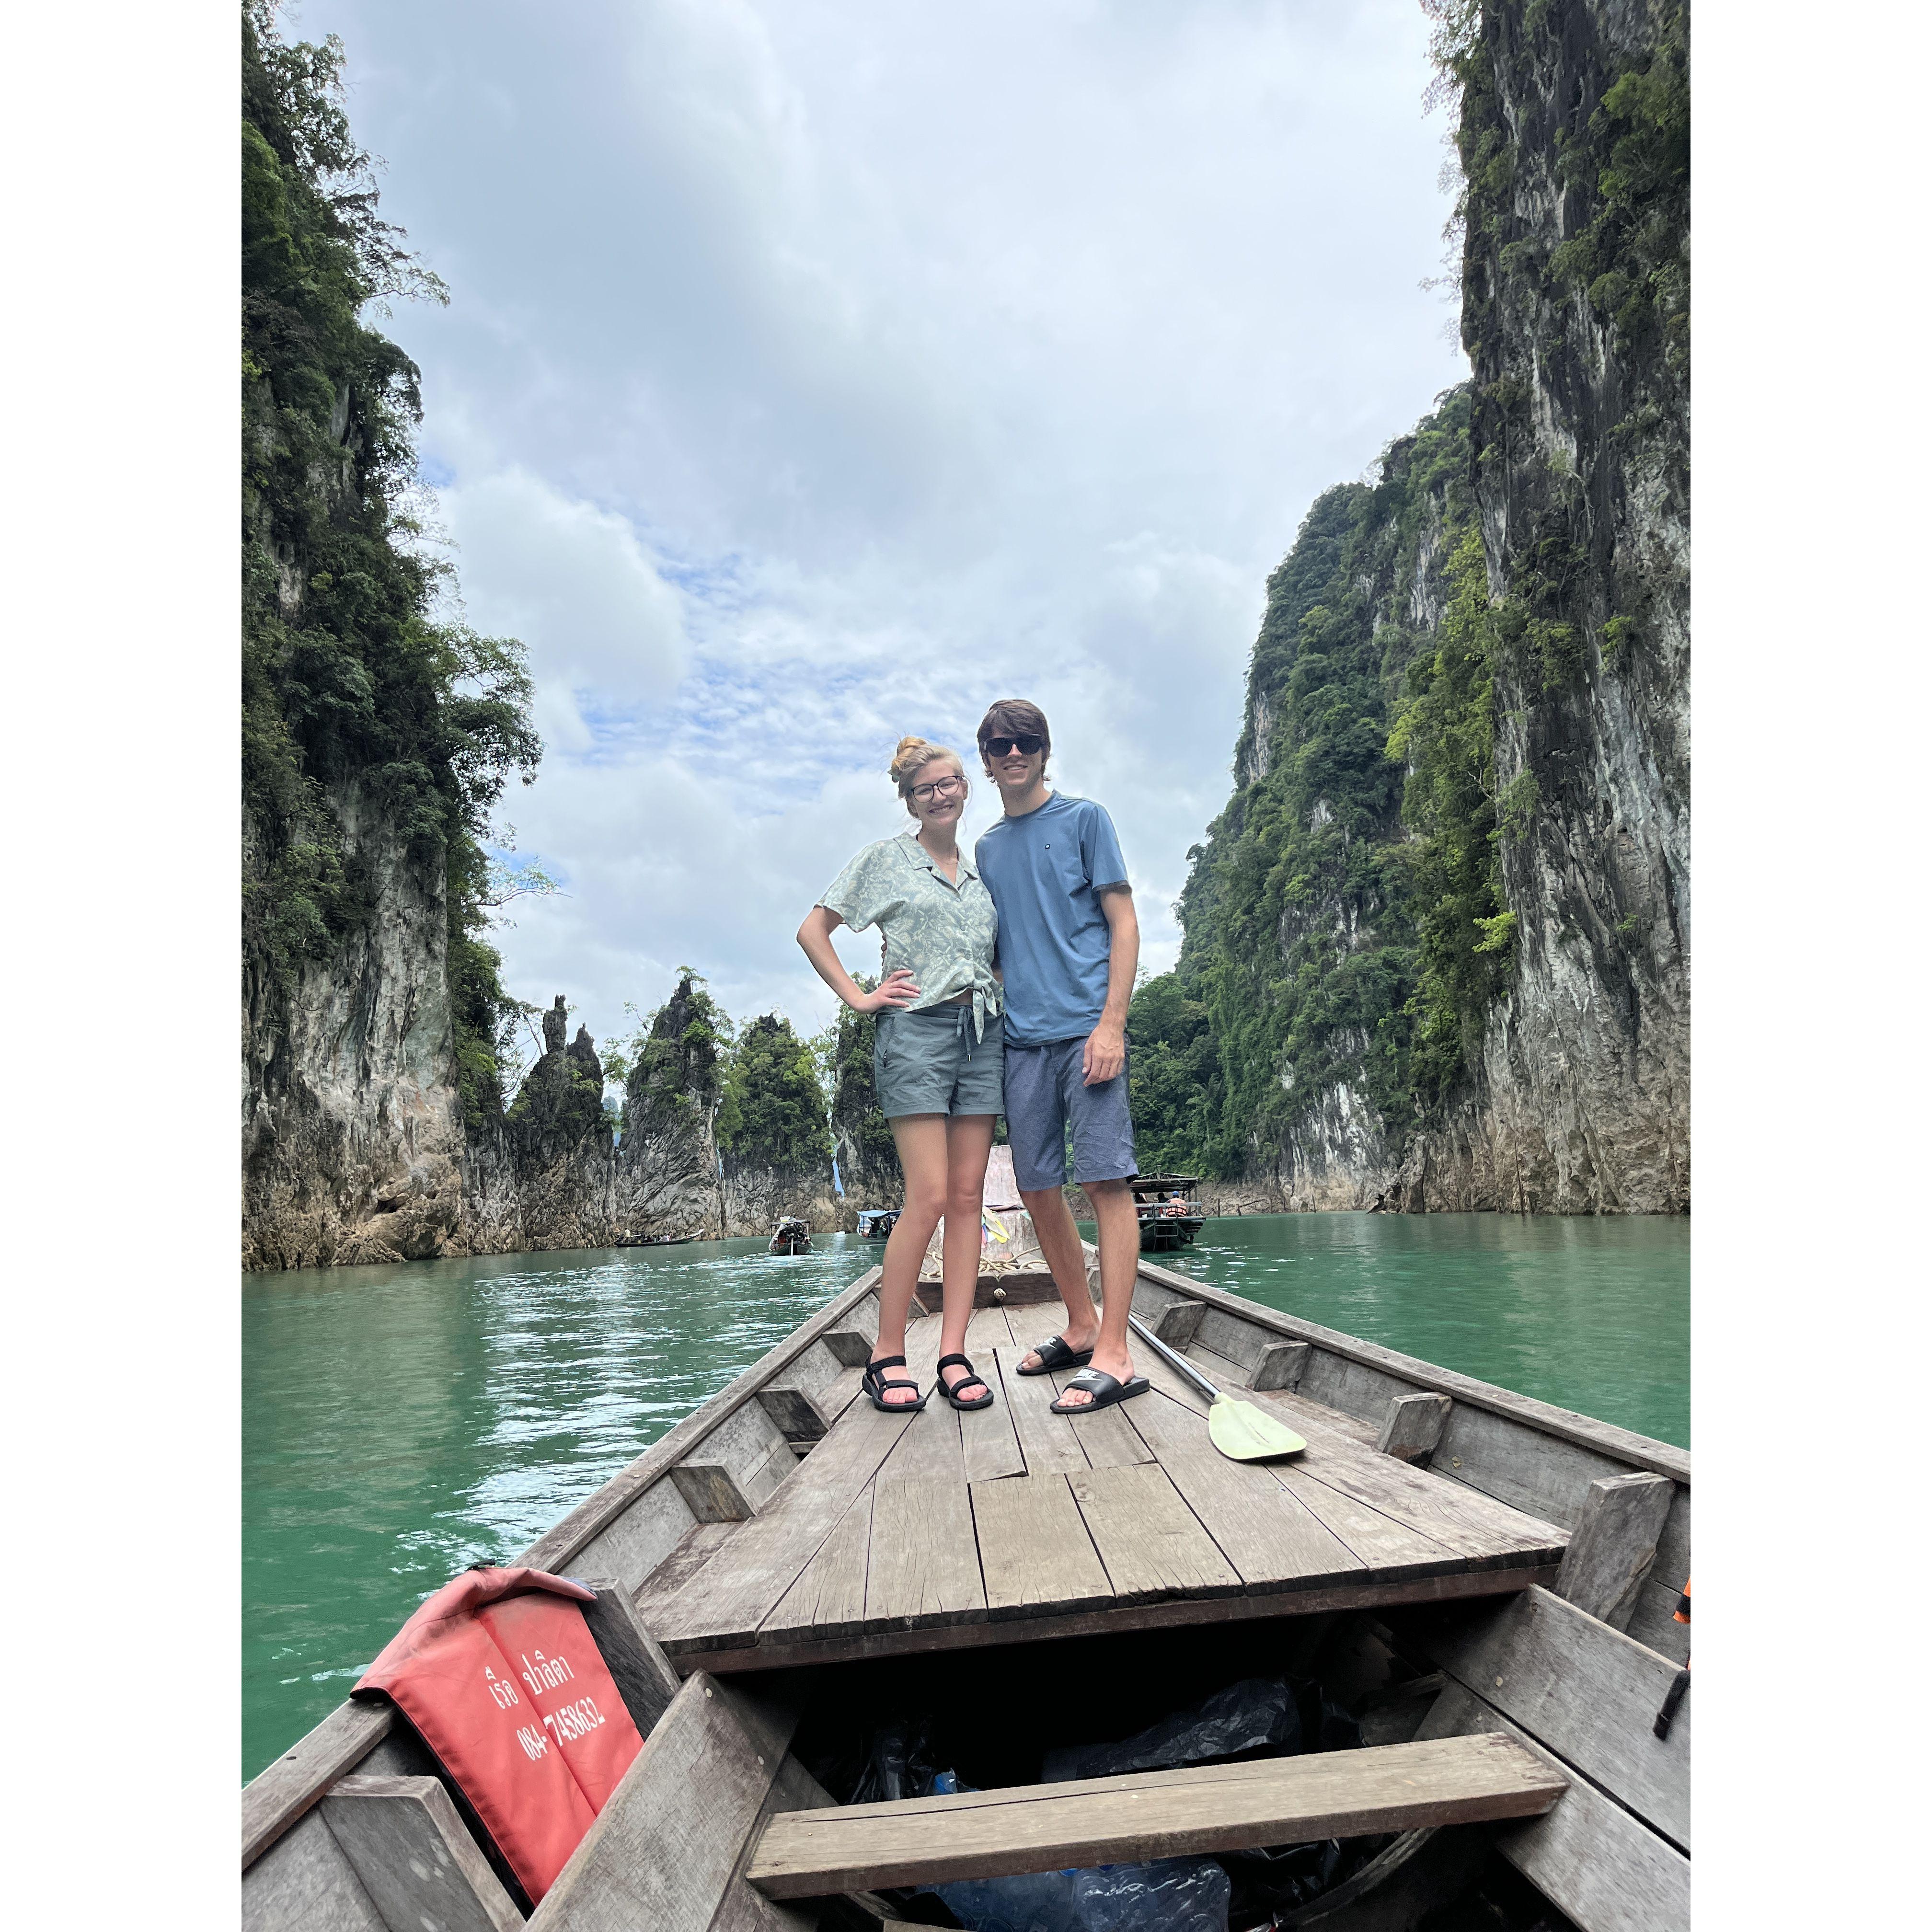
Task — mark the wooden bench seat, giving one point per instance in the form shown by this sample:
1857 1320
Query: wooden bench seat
1151 1814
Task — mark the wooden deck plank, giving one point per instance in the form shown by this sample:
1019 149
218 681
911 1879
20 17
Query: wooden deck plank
1411 1528
1153 1544
1046 1440
840 1393
699 1544
1105 1617
1169 1428
1108 1440
1390 1548
829 1599
1588 1856
1150 1815
1266 1531
1170 1382
1218 1369
987 1436
1587 1691
770 1553
989 1329
924 1567
1035 1554
1463 1519
930 1448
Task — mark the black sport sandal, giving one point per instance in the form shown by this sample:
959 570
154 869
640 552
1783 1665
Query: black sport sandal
876 1384
983 1401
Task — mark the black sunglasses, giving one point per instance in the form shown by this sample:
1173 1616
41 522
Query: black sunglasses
1026 743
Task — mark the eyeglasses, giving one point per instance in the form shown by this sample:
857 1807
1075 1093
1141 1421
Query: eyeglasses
1026 743
948 786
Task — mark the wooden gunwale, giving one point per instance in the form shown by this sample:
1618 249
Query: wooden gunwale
1624 1445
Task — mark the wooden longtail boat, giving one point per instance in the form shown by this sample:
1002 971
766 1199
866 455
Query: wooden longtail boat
1482 1585
1169 1216
790 1236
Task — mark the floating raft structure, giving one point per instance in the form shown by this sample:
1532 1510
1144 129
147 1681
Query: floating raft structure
1513 1567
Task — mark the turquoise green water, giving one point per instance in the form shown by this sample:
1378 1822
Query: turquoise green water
400 1422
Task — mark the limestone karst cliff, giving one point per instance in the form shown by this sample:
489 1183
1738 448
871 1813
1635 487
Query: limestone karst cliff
375 740
868 1162
667 1167
377 1037
1577 317
1437 946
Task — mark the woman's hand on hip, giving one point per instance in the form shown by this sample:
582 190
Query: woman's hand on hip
895 989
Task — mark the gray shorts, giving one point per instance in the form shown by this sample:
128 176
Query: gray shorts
1044 1092
927 1062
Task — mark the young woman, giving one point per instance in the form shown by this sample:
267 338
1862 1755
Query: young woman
937 1054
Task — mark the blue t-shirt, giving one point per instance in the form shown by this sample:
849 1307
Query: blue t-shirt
1045 871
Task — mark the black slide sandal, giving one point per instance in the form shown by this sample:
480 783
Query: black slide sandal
1056 1355
1106 1391
876 1384
964 1381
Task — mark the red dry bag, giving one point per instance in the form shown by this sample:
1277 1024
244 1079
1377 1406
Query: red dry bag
498 1671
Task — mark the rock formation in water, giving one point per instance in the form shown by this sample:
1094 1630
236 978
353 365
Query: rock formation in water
772 1133
868 1162
1437 947
667 1177
556 1144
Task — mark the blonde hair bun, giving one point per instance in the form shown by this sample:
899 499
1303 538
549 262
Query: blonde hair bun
912 753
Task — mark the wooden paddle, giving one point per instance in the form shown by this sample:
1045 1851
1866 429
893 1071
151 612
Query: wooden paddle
1240 1430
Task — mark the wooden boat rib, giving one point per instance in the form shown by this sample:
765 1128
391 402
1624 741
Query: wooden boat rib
1515 1565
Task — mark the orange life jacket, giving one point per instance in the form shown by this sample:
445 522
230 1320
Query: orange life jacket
498 1671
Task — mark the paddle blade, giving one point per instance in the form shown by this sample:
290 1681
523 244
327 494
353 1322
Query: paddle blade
1242 1432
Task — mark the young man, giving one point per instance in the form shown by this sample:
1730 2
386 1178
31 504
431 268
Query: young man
1068 944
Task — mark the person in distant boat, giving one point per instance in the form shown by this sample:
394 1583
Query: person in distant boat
1068 945
937 1051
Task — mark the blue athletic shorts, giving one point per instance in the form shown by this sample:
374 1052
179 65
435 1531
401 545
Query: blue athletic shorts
926 1061
1044 1092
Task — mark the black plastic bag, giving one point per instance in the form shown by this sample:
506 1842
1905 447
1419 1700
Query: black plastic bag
898 1763
1257 1718
1168 1895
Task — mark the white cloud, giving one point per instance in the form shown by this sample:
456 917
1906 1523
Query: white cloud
603 628
821 371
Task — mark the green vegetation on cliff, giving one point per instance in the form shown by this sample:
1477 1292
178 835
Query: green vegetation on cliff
670 1065
1329 916
773 1113
360 710
868 1160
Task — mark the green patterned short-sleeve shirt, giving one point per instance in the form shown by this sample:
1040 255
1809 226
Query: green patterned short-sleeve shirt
942 933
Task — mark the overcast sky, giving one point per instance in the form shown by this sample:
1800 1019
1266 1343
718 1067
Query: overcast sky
819 370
